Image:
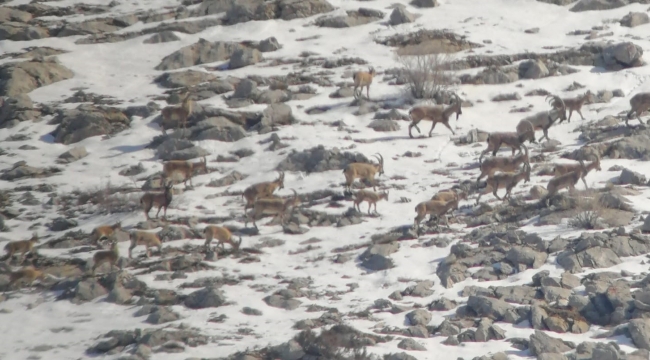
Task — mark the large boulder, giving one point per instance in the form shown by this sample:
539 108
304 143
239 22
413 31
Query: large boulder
319 159
201 52
17 109
86 121
259 10
23 77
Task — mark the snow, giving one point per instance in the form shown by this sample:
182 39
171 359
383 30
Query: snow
124 70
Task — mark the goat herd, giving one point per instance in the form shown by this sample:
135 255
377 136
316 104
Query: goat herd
501 172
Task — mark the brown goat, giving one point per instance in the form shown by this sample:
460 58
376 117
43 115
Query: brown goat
182 112
185 168
568 180
28 273
575 104
507 180
223 236
363 171
435 114
106 256
145 238
504 164
436 208
363 79
561 169
104 232
513 140
262 190
20 246
448 195
370 197
161 200
269 206
638 104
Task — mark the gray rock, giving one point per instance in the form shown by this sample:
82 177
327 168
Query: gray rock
589 5
620 56
384 125
507 97
277 114
23 77
291 350
269 45
205 298
282 302
425 3
272 97
177 149
86 121
201 52
119 295
634 19
62 224
73 154
526 256
631 177
401 16
541 343
640 333
162 37
246 89
218 128
88 290
319 159
410 344
16 109
162 315
533 69
489 307
244 57
187 78
419 317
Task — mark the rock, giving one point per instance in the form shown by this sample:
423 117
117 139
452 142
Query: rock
73 155
410 344
8 14
23 77
400 16
269 45
187 78
541 343
21 170
526 256
162 37
425 3
533 69
494 309
217 128
589 5
229 179
291 350
631 177
384 125
17 31
507 97
282 302
62 224
88 290
244 57
273 97
620 56
537 192
119 295
419 317
259 10
201 52
205 298
635 19
276 114
162 315
640 333
16 109
86 121
177 149
353 18
318 159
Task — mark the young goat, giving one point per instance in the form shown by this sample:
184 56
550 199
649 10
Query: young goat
435 114
512 139
504 164
638 103
28 273
370 197
507 180
543 120
185 168
561 169
106 256
223 236
568 180
448 195
437 208
145 238
20 246
575 104
363 171
161 200
262 190
363 79
182 113
104 232
268 206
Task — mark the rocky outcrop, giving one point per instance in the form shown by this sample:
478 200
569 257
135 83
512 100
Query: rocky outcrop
86 121
22 77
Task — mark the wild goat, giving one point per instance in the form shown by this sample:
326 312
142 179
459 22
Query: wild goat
148 239
507 180
104 232
223 236
161 200
504 164
106 256
638 103
434 207
568 180
261 190
363 79
575 104
363 171
561 169
543 120
28 273
448 195
513 140
20 246
185 168
182 112
276 207
370 197
435 114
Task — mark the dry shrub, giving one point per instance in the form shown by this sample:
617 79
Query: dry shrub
109 199
426 75
590 212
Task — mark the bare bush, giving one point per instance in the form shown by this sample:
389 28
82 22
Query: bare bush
590 213
426 75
